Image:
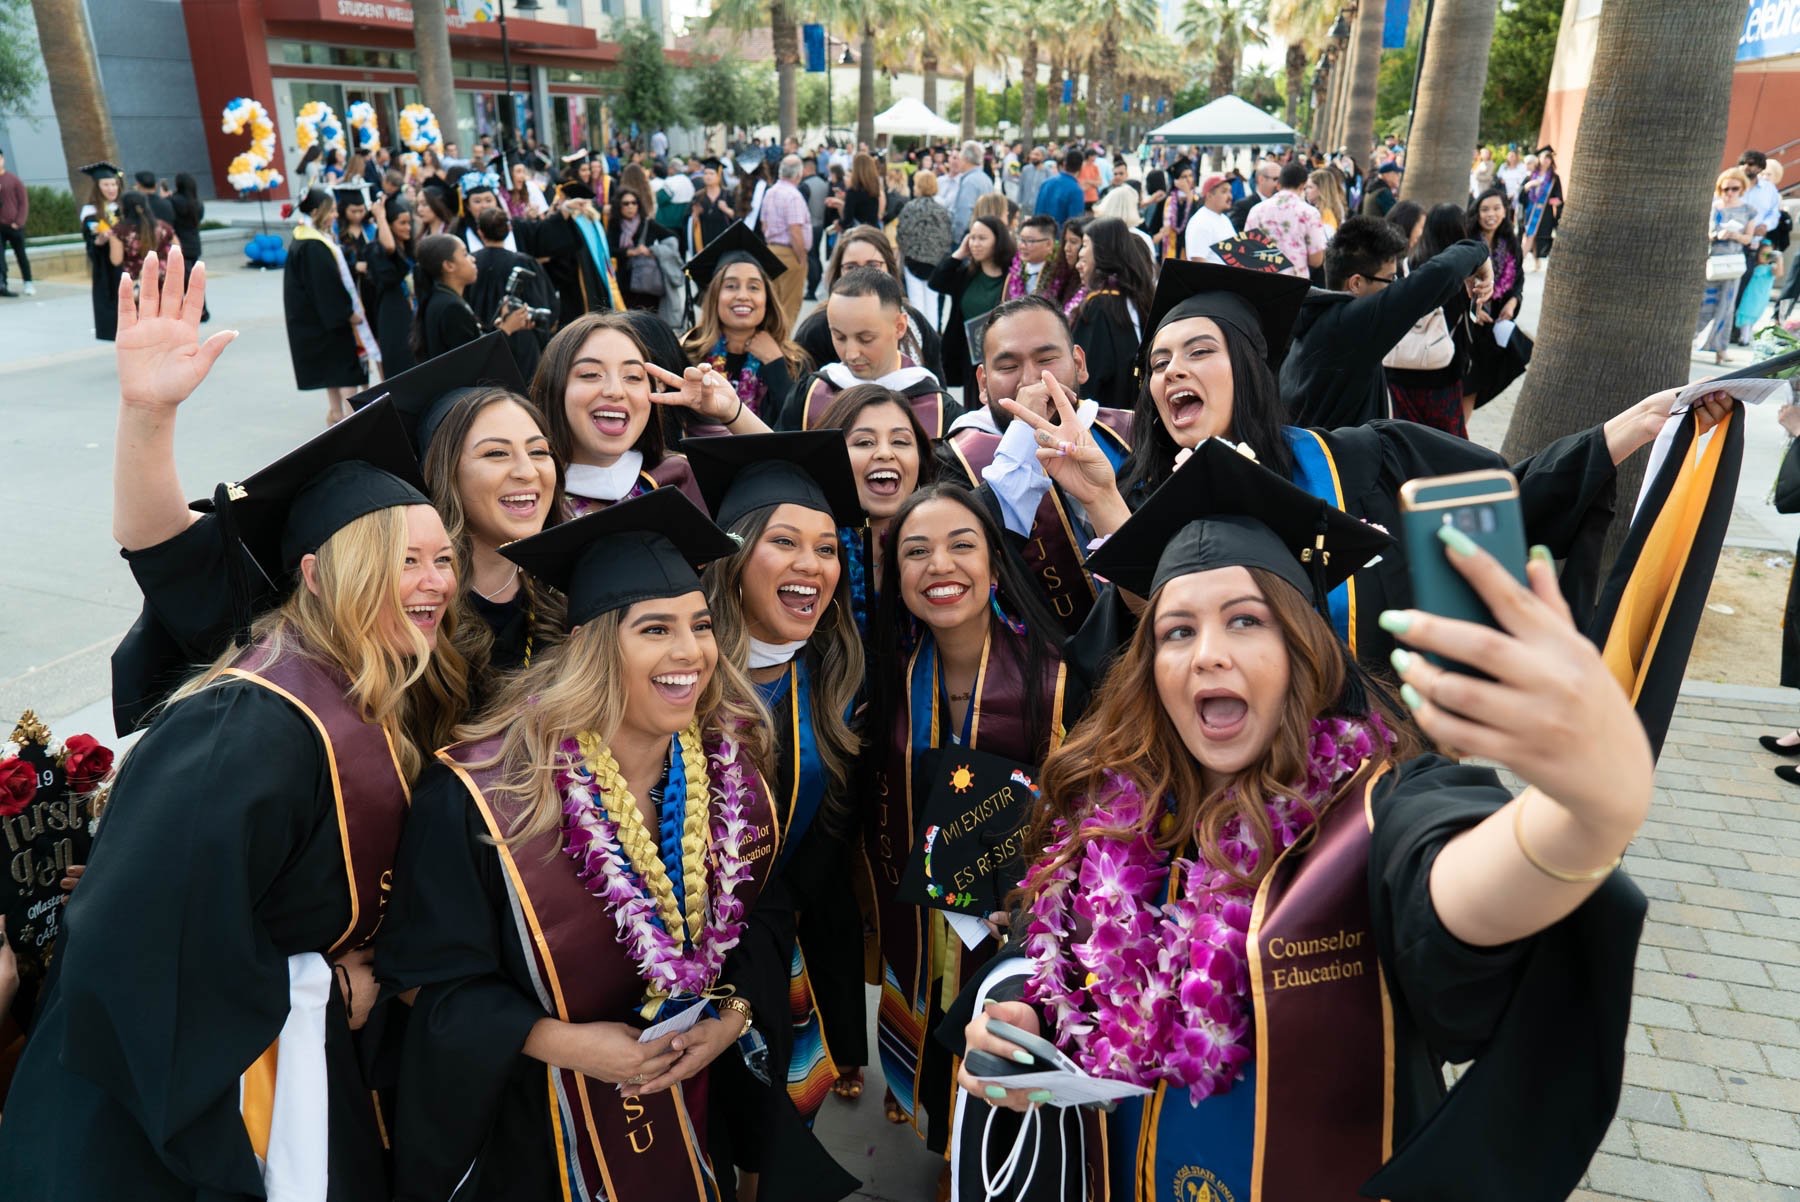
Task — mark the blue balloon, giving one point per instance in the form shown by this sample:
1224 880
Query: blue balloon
266 250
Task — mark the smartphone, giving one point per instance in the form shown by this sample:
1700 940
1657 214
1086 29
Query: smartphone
1483 505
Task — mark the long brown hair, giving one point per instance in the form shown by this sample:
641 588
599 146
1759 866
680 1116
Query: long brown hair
865 176
551 382
708 329
1126 730
475 640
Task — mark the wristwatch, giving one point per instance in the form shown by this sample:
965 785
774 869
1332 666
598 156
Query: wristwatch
737 1005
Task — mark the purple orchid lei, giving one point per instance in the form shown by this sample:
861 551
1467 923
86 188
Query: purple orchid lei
592 841
748 385
1174 977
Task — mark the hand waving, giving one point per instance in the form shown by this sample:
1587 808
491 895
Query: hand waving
160 356
1071 457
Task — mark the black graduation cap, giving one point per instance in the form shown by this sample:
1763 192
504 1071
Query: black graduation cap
738 244
423 395
638 550
1222 509
289 508
1262 306
575 156
738 473
574 190
310 203
347 194
101 170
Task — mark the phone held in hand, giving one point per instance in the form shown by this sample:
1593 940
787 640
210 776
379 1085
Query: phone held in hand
1483 505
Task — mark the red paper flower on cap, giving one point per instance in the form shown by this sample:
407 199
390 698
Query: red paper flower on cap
85 762
18 785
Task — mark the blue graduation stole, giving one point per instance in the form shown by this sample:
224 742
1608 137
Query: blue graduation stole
1315 472
795 688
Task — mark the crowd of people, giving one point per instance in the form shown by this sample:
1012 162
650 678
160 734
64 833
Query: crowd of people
570 714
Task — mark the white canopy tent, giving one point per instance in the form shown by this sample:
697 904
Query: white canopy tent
1227 121
910 118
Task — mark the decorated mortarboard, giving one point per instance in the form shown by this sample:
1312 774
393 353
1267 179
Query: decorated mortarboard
738 244
1222 509
471 182
971 829
749 158
643 549
1252 251
575 156
739 473
423 395
1261 306
290 508
351 194
101 170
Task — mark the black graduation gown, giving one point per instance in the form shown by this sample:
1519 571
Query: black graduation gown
1104 332
446 322
1787 500
218 857
814 337
558 244
317 307
494 265
389 276
104 279
470 1101
1544 1019
1565 492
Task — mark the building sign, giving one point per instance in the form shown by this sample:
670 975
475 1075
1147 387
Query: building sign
1771 30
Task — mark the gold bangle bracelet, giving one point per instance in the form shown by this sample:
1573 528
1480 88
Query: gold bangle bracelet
738 1005
1587 877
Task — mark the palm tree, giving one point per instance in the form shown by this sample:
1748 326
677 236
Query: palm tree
431 42
783 20
1303 25
1604 289
1230 25
80 102
1365 64
1447 117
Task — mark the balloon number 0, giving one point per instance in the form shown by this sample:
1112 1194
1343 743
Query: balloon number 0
317 125
364 126
251 171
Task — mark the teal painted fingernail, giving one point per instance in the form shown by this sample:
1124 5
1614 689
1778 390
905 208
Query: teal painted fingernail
1038 1095
1022 1056
1395 621
1401 658
996 1092
1541 553
1456 540
1411 696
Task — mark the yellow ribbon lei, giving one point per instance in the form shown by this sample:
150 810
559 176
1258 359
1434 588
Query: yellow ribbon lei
641 848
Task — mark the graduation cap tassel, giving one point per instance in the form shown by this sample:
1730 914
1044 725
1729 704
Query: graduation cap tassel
237 572
1317 559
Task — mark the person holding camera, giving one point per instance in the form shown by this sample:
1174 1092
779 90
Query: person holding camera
507 282
444 273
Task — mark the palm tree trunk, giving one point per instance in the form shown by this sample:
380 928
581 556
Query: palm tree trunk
1103 83
1028 65
1604 286
865 87
968 113
1448 117
784 34
1340 106
431 42
1359 123
1225 63
1054 100
928 67
75 90
1296 80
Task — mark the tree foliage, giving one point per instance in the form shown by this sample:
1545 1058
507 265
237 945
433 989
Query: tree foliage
727 92
843 98
1512 104
647 95
21 68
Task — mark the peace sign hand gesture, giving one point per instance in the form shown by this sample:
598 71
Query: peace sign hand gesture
708 394
160 357
1069 454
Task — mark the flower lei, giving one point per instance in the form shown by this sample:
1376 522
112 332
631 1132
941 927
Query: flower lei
605 837
1172 977
749 385
1074 302
1015 280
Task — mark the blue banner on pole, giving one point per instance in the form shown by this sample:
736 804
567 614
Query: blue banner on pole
1125 103
1393 32
1162 102
814 38
1068 91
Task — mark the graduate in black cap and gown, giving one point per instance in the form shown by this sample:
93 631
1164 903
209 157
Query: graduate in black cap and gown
98 216
1251 879
740 331
576 254
390 276
196 1039
593 858
329 338
782 602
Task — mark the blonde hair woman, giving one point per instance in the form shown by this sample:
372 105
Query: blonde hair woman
1325 192
1729 225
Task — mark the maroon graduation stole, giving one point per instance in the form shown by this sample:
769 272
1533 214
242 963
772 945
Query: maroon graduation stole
623 1147
997 725
672 472
1056 547
928 407
366 778
1324 1024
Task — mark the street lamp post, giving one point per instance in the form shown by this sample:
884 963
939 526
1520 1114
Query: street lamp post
508 105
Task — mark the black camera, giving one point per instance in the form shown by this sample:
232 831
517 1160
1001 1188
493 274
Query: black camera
541 319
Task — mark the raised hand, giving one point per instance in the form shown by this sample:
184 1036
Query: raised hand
708 394
160 356
1070 456
1639 425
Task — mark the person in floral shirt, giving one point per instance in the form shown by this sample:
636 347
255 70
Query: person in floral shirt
1295 226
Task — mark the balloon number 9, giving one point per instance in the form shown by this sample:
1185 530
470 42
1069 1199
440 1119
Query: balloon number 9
318 125
364 126
250 171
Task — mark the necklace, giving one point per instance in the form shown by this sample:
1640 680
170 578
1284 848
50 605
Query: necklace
1173 976
501 589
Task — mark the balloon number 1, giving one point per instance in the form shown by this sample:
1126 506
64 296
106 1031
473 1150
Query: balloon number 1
251 171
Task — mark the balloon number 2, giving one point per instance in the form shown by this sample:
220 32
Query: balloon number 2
251 171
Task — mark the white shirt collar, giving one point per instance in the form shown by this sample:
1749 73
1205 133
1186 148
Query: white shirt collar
900 379
607 484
